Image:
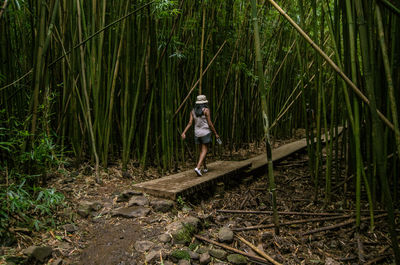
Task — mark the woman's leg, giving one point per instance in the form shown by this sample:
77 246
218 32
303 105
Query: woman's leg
203 153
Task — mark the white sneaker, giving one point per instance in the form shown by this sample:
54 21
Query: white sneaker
205 170
198 172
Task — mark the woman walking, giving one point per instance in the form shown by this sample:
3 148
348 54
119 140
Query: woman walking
202 130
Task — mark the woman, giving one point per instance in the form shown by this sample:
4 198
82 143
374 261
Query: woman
202 133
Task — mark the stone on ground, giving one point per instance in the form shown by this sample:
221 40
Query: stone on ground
205 258
85 207
70 228
40 253
143 246
138 201
164 238
225 235
162 205
237 259
152 257
182 231
218 253
126 195
131 212
184 262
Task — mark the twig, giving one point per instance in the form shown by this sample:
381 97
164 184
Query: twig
281 213
258 251
258 259
291 223
331 227
372 261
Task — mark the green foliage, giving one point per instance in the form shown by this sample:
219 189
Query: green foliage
25 207
180 254
185 234
166 8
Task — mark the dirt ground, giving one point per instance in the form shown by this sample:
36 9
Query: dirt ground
103 239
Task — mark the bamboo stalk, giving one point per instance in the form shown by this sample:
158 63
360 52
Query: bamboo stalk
356 90
258 251
234 250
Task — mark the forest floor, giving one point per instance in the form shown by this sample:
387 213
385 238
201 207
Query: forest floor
102 238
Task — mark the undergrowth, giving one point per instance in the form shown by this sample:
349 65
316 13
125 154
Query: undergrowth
25 162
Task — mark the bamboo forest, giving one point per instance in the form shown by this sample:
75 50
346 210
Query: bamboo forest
199 132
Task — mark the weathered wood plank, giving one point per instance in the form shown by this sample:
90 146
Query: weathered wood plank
187 182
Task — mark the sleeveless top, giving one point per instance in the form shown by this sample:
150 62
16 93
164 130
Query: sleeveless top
201 127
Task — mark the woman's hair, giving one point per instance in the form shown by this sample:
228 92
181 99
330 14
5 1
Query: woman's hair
198 109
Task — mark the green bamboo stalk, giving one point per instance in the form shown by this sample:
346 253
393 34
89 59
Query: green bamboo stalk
376 128
263 98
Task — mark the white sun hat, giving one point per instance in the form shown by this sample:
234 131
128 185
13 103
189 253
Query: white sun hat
201 99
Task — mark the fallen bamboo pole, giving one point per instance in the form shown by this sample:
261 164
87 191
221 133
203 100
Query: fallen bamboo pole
291 223
281 212
331 227
258 259
258 251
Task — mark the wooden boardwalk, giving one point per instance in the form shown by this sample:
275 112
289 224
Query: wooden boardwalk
187 182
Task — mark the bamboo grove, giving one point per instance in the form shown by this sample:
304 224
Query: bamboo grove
109 80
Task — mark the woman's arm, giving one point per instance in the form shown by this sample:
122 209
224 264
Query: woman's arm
183 135
208 116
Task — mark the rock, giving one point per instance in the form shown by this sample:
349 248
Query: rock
193 255
205 258
152 257
330 261
57 262
70 228
162 205
164 238
202 250
192 221
86 207
218 253
167 262
131 212
225 235
143 246
182 231
39 253
237 259
138 201
127 194
184 262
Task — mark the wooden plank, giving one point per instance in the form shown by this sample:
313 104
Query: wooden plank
187 182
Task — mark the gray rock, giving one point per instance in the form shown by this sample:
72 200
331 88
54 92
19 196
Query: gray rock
152 257
162 205
218 253
237 259
86 207
193 255
205 258
126 195
143 246
190 220
182 231
167 262
138 201
202 250
70 228
131 212
40 253
225 235
184 262
164 238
